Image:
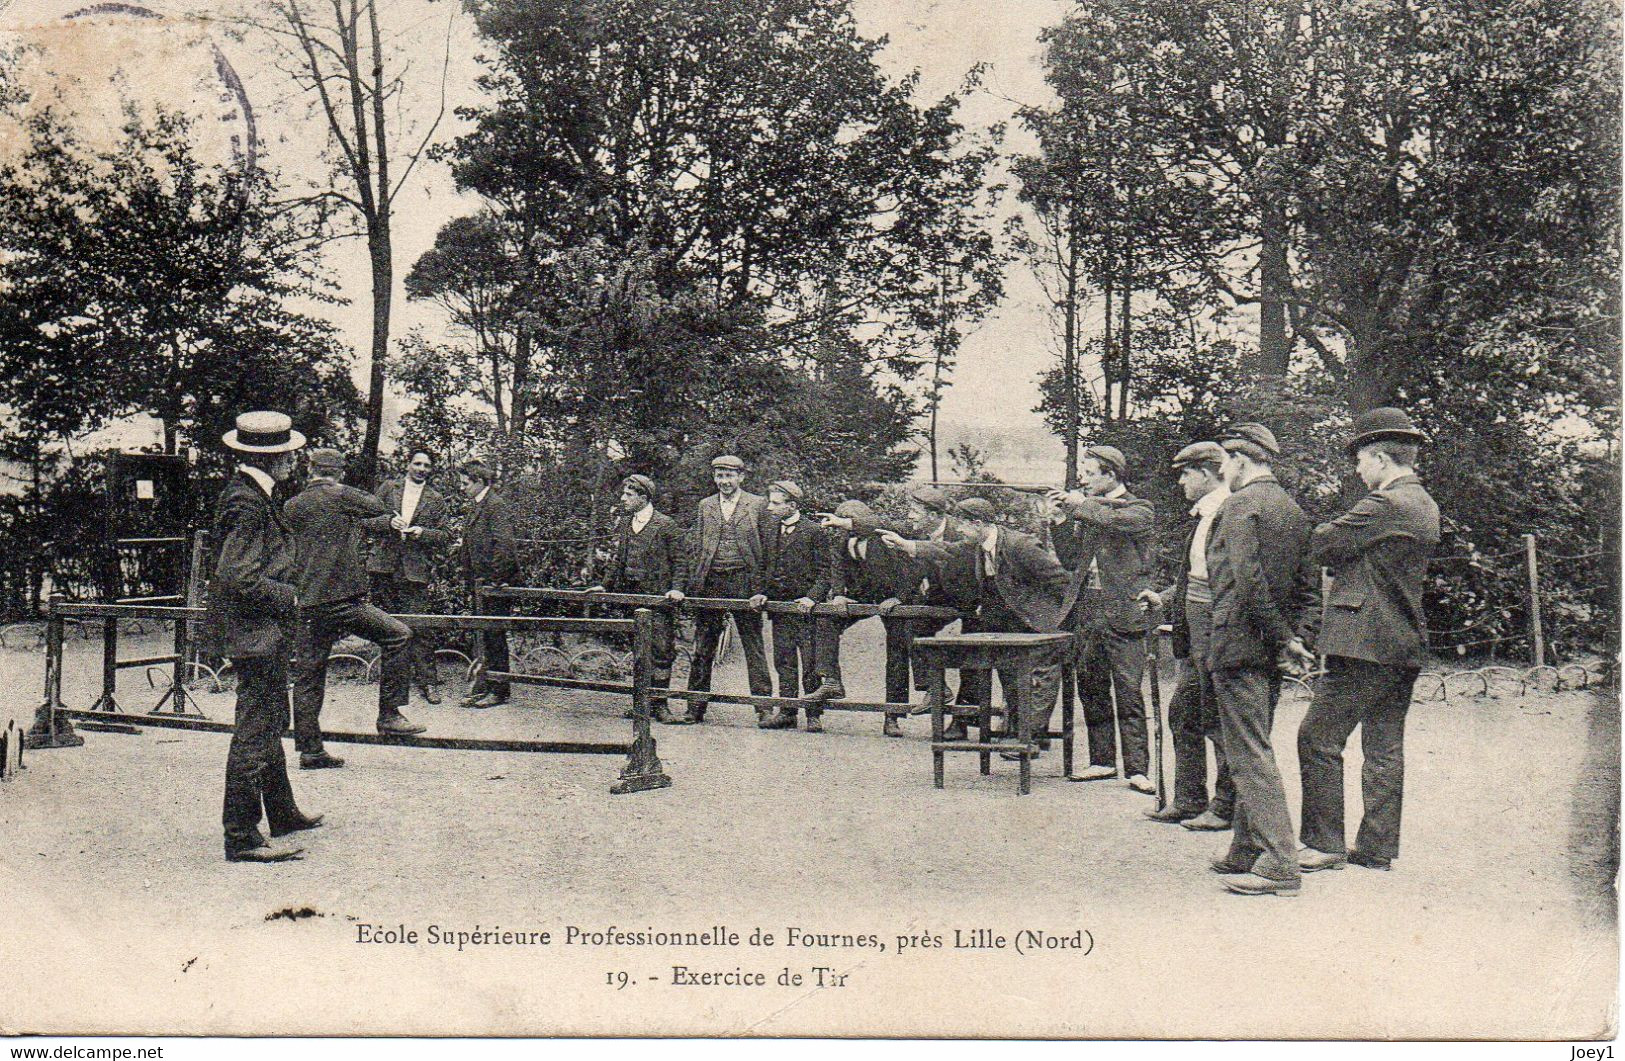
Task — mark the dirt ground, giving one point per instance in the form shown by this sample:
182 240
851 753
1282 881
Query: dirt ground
1499 920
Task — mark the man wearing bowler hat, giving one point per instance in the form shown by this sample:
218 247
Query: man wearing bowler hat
1256 570
326 520
249 619
1374 637
1193 712
650 557
731 540
489 559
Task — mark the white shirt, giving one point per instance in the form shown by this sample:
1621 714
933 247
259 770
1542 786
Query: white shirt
728 506
641 518
1206 507
411 494
486 489
990 553
1398 473
264 481
858 548
786 526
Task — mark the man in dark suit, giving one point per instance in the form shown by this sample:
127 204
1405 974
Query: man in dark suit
326 521
249 619
1255 556
863 571
1018 587
489 559
731 540
651 557
930 516
797 570
405 540
1193 712
1105 534
1374 637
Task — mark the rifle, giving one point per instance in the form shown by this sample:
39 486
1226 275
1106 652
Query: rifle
1151 636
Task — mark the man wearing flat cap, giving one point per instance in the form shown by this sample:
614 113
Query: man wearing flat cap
1105 535
1193 711
863 571
1261 589
797 570
1011 584
731 539
1374 637
326 519
930 517
490 558
250 619
650 557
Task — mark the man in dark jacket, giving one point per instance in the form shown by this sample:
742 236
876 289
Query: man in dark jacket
650 557
1105 534
797 570
1017 586
1374 637
1193 712
250 614
931 517
1255 562
326 522
731 538
489 559
405 540
863 571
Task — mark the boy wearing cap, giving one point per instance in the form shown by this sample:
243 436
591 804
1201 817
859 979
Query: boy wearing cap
731 540
1374 637
650 558
1193 712
249 619
1255 555
488 559
797 570
326 520
1105 534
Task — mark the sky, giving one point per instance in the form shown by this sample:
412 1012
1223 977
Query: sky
995 386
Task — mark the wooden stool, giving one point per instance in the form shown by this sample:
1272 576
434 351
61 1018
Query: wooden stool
1020 653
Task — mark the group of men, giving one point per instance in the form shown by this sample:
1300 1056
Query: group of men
1245 606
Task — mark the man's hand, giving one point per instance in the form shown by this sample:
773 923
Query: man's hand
415 531
841 602
804 605
596 589
832 521
1297 650
1053 510
396 522
674 595
1150 600
757 601
897 542
889 605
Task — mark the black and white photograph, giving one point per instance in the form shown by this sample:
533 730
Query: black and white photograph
810 519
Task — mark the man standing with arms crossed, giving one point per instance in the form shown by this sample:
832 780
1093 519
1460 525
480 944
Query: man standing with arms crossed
1374 637
1193 713
326 521
405 539
650 557
1255 555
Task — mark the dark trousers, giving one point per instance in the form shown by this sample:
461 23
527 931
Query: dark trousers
1109 673
1262 826
1193 718
734 585
1376 698
493 644
400 596
256 768
899 637
319 628
794 654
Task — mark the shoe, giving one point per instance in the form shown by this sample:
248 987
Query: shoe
664 716
955 731
815 722
1226 867
1207 822
696 712
312 822
891 728
1094 773
430 694
1313 861
398 725
1015 756
319 761
1140 783
781 720
1360 858
1173 814
827 691
487 700
1253 884
266 853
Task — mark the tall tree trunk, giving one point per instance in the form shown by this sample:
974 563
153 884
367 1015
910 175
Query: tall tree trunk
1106 359
1125 339
380 252
1274 284
1069 352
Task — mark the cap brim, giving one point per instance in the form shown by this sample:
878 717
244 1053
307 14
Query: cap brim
295 441
1415 438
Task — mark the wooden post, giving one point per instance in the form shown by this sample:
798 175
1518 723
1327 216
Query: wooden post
109 701
643 770
51 730
1537 637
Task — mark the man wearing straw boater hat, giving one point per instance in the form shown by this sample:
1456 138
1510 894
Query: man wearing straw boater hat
250 619
1374 638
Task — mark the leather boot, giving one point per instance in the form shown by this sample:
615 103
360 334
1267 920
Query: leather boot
891 728
696 712
955 729
784 719
815 722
